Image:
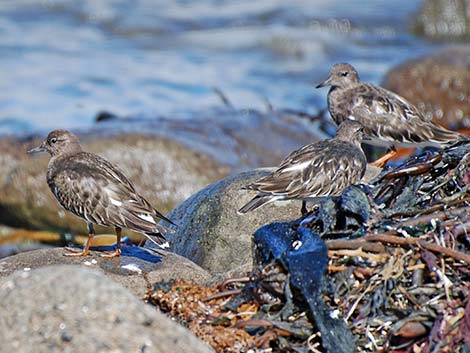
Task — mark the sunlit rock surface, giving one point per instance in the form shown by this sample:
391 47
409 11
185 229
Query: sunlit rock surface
136 269
211 232
438 84
74 309
444 19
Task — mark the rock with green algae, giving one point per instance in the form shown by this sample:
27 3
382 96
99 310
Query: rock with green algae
75 309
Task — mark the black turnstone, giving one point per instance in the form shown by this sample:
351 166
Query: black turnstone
316 170
96 190
388 119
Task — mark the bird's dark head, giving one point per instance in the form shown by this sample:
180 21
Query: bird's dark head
350 131
342 76
59 142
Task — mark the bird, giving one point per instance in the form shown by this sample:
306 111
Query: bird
388 119
96 190
319 169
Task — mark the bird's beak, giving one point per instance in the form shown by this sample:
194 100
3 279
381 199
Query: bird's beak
325 83
41 148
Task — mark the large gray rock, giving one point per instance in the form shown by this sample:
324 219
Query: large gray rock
444 19
211 232
437 84
137 269
164 172
75 309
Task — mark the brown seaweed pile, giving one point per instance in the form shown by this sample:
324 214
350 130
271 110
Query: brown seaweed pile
398 272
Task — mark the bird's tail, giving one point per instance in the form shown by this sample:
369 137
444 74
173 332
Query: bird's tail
446 137
158 239
256 202
159 215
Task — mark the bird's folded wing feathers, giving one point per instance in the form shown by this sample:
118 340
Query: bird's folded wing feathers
83 195
137 212
291 167
374 101
306 173
139 204
106 197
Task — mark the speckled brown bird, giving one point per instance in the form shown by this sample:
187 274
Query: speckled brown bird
389 119
97 191
316 170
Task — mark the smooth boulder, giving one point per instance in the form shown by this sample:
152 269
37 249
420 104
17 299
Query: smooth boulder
444 19
74 309
210 230
437 84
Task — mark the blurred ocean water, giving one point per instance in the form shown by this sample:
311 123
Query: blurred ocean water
61 62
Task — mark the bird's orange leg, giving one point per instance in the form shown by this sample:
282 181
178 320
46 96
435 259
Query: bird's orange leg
117 252
385 158
78 252
86 249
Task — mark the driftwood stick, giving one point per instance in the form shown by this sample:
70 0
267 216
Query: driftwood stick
463 212
337 244
227 293
393 239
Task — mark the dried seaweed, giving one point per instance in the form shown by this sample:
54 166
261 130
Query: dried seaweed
398 271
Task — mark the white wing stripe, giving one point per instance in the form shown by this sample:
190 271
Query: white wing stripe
115 202
297 166
147 217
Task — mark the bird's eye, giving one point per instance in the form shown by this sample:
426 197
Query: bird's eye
344 73
53 140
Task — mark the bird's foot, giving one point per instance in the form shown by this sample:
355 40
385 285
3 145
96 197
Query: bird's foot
76 252
380 163
110 254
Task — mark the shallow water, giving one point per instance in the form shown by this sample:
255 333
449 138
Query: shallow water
61 62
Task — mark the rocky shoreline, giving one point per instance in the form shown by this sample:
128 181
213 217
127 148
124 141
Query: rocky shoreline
61 304
365 237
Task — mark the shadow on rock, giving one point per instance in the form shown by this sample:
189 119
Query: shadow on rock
131 252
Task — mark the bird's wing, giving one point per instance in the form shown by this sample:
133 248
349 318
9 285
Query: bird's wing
388 116
106 196
292 167
83 194
396 103
307 173
379 101
138 202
